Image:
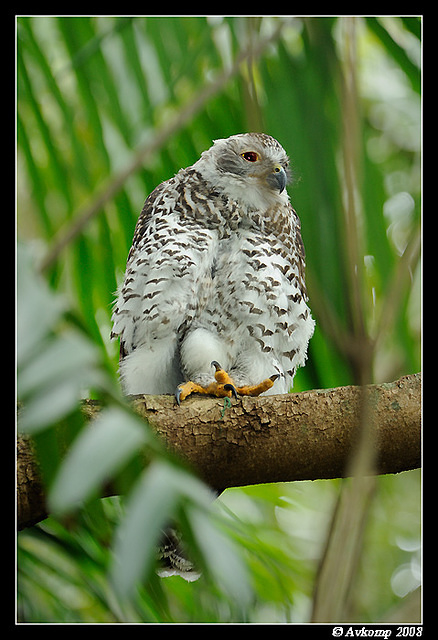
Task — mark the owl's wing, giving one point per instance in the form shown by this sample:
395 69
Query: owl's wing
300 251
167 263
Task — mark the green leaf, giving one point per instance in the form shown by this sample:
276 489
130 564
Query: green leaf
98 452
65 357
412 71
221 557
53 365
149 508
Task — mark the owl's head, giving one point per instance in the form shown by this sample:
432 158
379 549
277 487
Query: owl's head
248 166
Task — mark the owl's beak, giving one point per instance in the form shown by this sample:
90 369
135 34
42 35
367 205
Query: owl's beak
278 178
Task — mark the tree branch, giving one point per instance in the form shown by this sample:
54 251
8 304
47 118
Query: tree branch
302 436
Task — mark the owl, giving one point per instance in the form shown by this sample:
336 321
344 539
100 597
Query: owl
214 298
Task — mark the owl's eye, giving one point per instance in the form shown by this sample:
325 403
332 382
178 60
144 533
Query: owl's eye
251 156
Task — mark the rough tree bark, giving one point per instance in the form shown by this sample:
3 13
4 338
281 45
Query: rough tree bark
302 436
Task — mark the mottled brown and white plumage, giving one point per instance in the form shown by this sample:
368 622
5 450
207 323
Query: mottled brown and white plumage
216 273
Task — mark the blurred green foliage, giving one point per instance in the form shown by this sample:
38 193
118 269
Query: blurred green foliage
92 93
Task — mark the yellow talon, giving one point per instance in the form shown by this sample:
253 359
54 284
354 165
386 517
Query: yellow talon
223 386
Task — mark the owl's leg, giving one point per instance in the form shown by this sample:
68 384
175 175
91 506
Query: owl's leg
246 390
223 386
257 389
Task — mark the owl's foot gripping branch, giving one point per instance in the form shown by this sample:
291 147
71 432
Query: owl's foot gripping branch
223 386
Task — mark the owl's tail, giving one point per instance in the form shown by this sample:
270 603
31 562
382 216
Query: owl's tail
172 558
